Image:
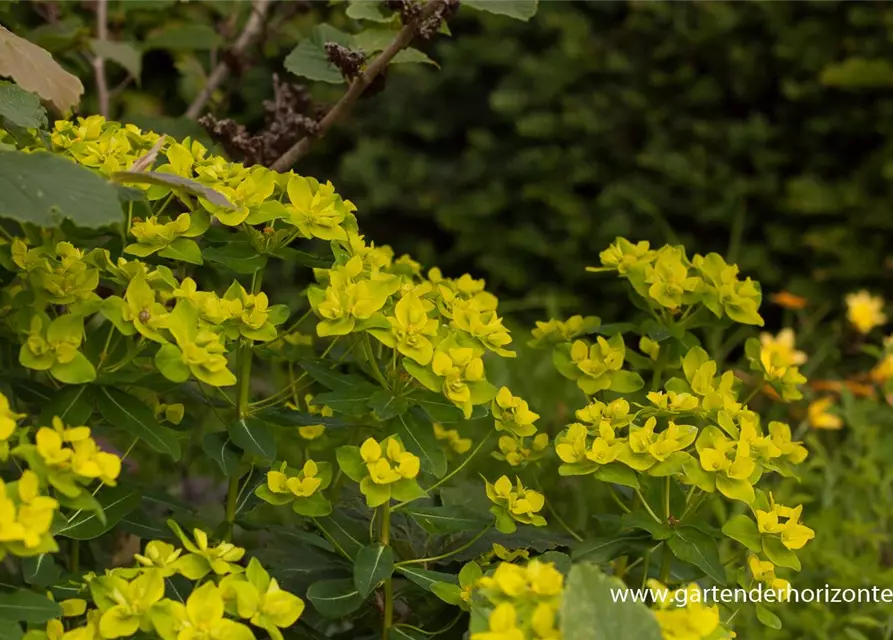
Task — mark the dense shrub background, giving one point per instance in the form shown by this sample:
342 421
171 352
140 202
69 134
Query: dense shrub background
708 122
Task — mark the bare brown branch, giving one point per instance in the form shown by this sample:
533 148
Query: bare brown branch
102 34
360 84
253 27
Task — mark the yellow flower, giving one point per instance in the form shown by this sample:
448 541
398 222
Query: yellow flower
820 417
452 438
388 465
161 556
695 621
571 444
518 503
512 414
517 452
883 370
8 419
864 311
502 623
306 483
779 351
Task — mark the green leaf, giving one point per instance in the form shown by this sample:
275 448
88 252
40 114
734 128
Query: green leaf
21 108
183 250
254 436
27 606
184 37
412 56
386 405
73 405
373 563
352 401
417 434
288 418
343 532
744 530
309 59
768 618
125 54
424 578
365 10
128 412
239 257
588 609
117 502
626 381
604 549
219 448
174 182
11 630
696 547
374 40
644 521
43 189
451 519
320 371
779 554
517 9
618 473
40 571
335 598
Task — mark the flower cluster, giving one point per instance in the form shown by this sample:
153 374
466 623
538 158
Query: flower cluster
384 470
129 601
515 503
302 489
520 602
693 620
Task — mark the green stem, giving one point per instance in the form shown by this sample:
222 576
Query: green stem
617 499
444 556
385 539
471 455
667 499
373 362
665 563
648 507
74 559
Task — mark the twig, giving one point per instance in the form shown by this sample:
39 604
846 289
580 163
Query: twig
359 84
102 35
220 73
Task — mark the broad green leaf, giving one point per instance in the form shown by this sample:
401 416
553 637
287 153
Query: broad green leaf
344 533
696 547
288 418
254 436
386 405
779 554
744 530
220 449
11 630
425 578
441 520
126 54
128 412
365 10
417 434
352 401
588 609
44 189
26 606
768 618
604 549
618 473
40 571
117 502
239 257
320 371
373 563
184 37
517 9
410 56
644 521
374 40
335 598
21 108
174 182
72 404
626 381
34 69
183 250
309 59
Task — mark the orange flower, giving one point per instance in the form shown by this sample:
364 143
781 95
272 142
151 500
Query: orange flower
788 300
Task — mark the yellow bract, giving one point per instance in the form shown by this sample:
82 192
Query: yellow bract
390 463
865 311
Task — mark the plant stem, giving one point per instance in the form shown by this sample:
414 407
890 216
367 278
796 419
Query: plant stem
74 558
385 539
617 499
665 563
667 499
102 35
648 507
373 362
446 555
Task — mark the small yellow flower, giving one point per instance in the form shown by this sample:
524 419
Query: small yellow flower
820 417
864 311
453 439
779 351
